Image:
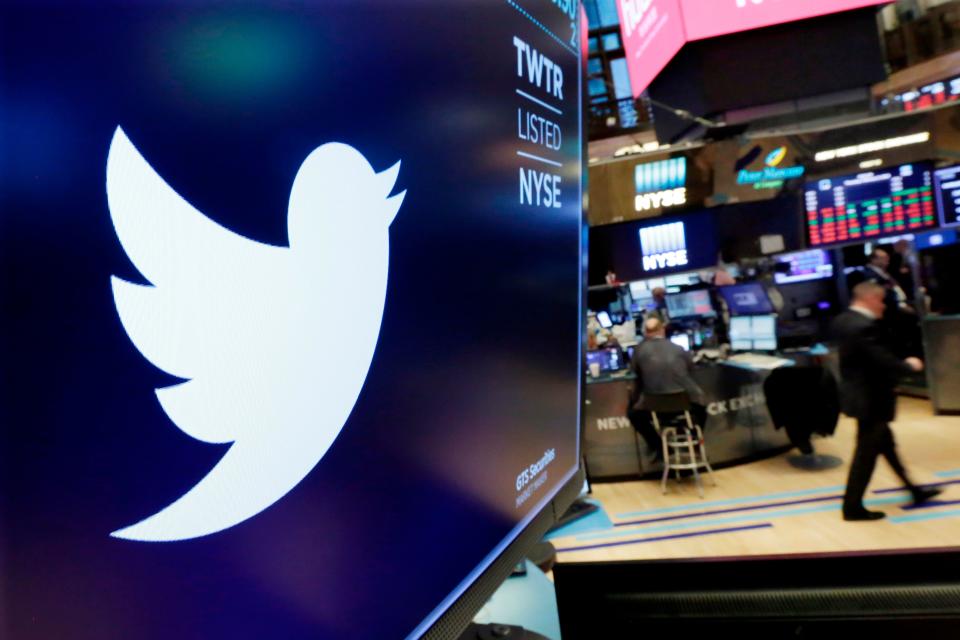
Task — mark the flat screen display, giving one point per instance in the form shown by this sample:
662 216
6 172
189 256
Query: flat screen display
753 333
641 293
682 340
869 205
682 280
947 187
930 95
194 194
804 266
691 304
608 359
741 335
764 332
746 299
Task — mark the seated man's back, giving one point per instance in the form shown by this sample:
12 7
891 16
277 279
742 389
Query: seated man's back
662 367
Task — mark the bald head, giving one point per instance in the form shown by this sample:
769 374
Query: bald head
653 328
870 295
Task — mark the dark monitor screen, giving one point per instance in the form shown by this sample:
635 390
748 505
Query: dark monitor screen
869 205
194 444
746 299
947 183
804 266
690 304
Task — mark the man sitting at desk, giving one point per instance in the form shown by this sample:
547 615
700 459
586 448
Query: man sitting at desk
661 367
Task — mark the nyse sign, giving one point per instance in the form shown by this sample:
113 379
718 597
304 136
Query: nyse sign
660 184
661 199
664 246
665 260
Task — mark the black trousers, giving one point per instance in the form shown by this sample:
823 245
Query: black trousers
642 421
874 438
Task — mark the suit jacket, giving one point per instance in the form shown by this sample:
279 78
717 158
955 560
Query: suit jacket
869 370
789 391
662 367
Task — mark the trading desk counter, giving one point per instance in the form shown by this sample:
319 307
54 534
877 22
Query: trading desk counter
738 423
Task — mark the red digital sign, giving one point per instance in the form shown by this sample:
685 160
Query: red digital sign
711 18
655 30
652 33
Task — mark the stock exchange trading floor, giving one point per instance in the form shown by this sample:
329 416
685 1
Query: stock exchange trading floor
771 507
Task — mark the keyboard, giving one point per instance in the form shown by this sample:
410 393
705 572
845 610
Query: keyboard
758 361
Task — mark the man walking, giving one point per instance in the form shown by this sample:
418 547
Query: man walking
869 372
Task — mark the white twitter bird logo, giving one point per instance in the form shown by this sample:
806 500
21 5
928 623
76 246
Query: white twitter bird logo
251 326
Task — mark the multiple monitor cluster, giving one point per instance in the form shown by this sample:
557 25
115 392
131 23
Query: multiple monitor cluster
694 317
694 314
695 311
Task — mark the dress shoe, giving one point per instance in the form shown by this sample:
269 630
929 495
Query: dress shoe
923 495
858 516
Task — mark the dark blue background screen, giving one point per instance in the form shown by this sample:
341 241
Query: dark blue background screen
476 372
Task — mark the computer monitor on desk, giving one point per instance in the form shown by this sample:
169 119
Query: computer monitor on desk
690 305
609 359
753 333
746 299
681 340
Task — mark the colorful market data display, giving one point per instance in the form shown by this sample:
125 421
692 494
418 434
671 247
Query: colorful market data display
947 181
870 205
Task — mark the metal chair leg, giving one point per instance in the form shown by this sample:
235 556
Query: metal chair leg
666 461
696 471
703 453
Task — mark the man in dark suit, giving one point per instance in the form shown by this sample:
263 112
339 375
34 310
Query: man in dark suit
869 373
661 367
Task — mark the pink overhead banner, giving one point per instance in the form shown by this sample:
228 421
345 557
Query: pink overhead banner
710 18
652 32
